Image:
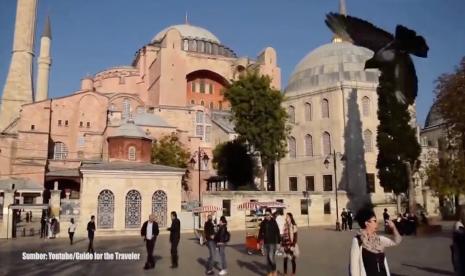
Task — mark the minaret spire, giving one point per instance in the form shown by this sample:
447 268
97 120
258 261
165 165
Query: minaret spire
342 7
44 61
343 11
18 85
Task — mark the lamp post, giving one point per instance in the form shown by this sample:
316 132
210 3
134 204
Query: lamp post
326 163
307 201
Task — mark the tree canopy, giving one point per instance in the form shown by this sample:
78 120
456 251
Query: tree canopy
232 160
169 151
397 141
259 118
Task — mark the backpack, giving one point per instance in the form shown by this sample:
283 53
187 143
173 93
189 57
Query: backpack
227 236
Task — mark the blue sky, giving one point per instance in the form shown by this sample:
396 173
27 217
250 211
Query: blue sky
89 36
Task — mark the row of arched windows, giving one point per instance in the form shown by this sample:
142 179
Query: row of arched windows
106 209
366 110
60 151
326 142
206 47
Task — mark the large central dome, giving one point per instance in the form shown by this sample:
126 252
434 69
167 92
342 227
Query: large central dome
189 31
329 64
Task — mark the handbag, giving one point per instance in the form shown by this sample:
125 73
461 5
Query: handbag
295 250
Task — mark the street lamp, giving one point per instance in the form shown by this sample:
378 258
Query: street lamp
326 163
307 201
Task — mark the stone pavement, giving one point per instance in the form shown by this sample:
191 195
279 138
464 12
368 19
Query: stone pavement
324 252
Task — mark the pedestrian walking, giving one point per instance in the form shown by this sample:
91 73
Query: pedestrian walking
221 239
175 236
289 243
71 229
458 245
269 237
43 227
367 256
386 218
149 232
209 230
350 219
344 219
91 234
281 221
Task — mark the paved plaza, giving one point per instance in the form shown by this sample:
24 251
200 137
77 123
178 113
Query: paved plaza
323 252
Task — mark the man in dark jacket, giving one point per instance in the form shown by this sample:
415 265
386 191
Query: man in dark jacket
91 234
269 237
149 232
175 235
209 230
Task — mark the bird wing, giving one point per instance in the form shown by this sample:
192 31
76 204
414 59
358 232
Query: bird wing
409 41
408 80
358 31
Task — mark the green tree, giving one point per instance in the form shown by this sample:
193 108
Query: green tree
450 100
232 160
446 176
396 139
169 151
259 118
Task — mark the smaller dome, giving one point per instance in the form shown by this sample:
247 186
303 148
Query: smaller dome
129 130
330 64
189 31
434 118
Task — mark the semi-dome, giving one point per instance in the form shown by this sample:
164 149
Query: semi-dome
329 64
433 118
189 31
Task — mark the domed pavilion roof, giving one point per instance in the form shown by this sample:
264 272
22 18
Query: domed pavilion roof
330 64
189 31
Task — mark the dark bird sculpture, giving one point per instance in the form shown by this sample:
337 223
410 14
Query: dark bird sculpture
391 53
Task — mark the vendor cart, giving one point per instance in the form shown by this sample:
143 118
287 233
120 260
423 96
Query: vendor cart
202 212
254 215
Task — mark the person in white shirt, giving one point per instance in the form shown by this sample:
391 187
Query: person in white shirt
149 232
71 229
280 220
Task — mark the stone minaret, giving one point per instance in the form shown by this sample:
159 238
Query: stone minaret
18 85
44 63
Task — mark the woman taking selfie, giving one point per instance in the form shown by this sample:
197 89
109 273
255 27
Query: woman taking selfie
367 253
289 243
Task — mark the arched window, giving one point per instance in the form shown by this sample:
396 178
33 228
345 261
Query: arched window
202 103
324 108
133 209
308 145
292 147
215 49
194 45
160 207
366 106
326 143
60 151
192 102
201 46
208 48
308 111
132 153
105 209
126 108
211 105
291 114
368 140
186 45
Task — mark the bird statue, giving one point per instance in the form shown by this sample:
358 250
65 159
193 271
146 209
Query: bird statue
391 53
